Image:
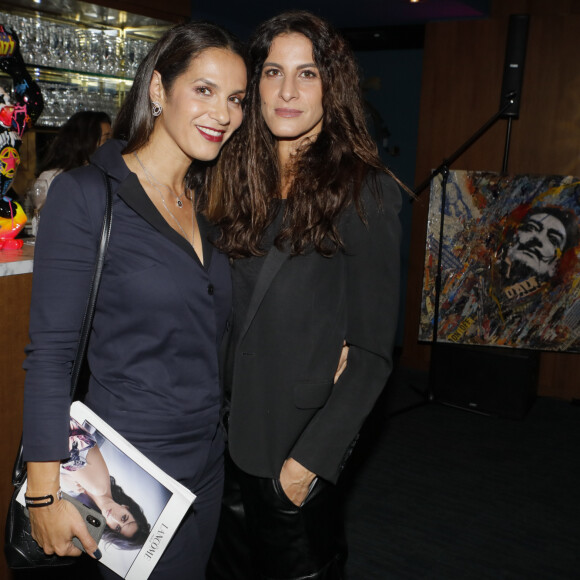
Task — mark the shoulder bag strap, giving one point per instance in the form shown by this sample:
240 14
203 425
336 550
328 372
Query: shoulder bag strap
94 288
19 470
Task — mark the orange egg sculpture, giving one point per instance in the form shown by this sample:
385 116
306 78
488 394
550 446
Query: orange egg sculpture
12 220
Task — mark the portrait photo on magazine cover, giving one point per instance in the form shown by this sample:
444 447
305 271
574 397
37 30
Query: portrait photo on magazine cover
104 478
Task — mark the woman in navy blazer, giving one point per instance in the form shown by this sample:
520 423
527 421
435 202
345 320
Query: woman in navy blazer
311 223
164 298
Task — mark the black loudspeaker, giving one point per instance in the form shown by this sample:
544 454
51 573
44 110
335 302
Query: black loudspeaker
513 69
490 380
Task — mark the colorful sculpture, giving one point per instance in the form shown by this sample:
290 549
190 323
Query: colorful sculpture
15 118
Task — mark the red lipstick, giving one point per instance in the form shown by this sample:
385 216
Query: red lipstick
213 135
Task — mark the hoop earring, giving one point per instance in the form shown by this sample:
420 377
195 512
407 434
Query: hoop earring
156 109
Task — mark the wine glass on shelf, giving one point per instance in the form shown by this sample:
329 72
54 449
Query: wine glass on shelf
36 198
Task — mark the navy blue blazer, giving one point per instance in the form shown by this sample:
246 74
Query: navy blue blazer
159 319
284 402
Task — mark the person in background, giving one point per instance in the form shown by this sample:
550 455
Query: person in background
309 219
164 298
82 134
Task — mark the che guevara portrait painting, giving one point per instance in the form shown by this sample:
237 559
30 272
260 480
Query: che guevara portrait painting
510 261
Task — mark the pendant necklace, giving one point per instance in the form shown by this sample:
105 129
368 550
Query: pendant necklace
152 182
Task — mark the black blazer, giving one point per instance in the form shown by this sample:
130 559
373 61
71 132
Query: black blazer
283 399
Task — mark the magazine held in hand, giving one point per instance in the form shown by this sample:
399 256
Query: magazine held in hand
142 505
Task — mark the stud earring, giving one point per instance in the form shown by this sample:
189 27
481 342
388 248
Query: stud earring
156 109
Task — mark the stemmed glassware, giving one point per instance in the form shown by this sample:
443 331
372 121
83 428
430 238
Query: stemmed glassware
36 197
102 52
96 50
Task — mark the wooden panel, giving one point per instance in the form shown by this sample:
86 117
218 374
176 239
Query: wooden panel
15 292
462 75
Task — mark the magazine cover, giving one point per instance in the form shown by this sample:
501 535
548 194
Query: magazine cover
143 506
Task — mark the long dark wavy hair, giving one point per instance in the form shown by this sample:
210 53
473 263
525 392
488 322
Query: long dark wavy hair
170 57
143 528
327 173
75 141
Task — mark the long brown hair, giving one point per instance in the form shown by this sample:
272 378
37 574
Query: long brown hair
327 173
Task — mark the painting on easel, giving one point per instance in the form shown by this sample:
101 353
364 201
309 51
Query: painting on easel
510 261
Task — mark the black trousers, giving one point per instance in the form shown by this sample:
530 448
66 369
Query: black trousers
263 535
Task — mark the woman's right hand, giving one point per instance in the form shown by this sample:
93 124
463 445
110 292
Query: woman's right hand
54 526
342 362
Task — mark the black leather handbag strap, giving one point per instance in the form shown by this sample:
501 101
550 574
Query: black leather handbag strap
19 471
94 288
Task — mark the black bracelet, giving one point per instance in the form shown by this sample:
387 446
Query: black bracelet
32 502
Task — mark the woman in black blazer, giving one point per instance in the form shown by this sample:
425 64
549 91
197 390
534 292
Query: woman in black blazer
311 223
164 298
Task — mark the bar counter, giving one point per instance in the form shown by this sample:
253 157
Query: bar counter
14 262
15 288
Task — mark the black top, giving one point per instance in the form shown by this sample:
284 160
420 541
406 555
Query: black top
245 272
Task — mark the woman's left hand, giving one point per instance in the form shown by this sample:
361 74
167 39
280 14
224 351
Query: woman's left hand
295 480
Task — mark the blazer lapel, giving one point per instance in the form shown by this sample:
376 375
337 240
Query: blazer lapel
109 158
272 264
207 233
135 197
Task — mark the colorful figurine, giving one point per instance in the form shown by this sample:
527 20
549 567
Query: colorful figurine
15 118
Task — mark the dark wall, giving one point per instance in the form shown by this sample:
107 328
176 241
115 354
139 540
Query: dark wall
392 82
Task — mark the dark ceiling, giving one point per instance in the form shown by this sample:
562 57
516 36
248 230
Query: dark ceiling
363 18
368 24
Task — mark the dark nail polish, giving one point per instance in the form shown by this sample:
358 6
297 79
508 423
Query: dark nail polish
97 554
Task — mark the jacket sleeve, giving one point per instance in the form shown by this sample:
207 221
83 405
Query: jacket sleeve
372 258
65 254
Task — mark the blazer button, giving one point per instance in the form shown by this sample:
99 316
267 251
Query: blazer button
210 289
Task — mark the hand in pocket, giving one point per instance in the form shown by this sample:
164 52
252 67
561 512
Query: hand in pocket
295 480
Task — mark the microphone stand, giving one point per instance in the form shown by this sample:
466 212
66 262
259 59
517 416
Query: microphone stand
449 160
443 170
